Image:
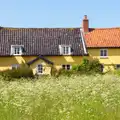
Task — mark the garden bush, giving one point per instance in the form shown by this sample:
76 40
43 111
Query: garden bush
88 66
23 71
66 72
117 72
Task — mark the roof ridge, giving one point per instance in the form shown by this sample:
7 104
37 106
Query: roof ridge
41 28
105 28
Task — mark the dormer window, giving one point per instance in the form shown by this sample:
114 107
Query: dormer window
16 49
65 49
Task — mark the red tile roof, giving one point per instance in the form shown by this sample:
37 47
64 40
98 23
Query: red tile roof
103 37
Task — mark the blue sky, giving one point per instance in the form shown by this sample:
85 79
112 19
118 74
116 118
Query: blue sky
59 13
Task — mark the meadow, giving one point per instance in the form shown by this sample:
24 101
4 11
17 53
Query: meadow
78 97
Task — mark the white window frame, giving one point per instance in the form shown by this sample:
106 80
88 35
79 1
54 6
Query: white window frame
63 49
103 56
15 66
16 46
66 68
38 72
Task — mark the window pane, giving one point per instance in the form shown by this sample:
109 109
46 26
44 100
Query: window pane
67 50
40 69
17 50
64 50
105 52
63 66
101 53
68 67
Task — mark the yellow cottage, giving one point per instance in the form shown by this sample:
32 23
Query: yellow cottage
45 48
103 44
41 48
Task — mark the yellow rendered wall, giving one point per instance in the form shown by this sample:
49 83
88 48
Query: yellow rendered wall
6 62
60 60
109 62
112 59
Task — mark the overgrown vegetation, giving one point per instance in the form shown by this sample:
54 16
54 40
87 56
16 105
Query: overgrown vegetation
79 97
117 72
23 71
86 67
82 93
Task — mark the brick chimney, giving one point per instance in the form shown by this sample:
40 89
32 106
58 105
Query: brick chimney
85 24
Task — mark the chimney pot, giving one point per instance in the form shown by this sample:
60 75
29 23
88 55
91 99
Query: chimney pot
85 17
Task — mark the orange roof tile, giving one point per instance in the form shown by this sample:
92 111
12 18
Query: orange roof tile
103 37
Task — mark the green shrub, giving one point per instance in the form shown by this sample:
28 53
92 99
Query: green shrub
65 72
5 74
117 72
95 66
88 66
57 73
23 71
76 67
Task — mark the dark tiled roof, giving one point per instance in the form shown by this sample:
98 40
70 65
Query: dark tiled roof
40 41
40 57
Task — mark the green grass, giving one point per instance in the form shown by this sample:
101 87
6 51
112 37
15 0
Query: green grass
63 98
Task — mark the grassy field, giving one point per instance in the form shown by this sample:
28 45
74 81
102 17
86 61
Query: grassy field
64 98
